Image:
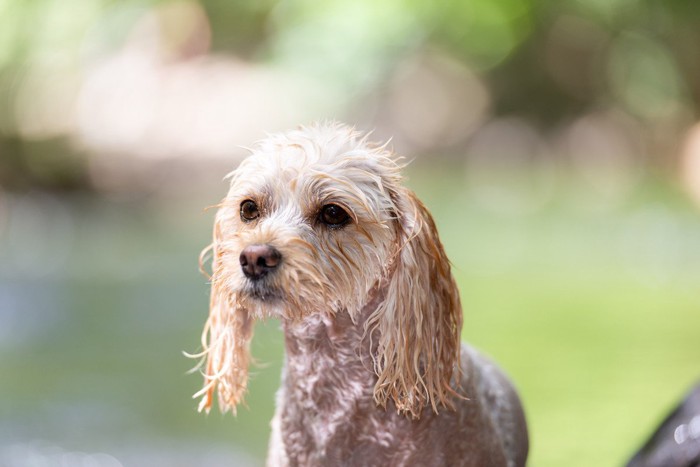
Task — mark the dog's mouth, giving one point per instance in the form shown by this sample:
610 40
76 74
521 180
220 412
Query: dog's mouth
261 292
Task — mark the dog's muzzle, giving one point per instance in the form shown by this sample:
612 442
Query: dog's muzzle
259 260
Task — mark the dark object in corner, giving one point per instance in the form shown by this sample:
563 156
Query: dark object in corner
676 443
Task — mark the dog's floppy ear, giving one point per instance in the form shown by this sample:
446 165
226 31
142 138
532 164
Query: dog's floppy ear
417 327
226 336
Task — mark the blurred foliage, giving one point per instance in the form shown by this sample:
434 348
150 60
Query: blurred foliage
546 61
48 163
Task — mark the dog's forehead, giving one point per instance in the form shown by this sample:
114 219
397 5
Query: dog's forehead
295 159
311 167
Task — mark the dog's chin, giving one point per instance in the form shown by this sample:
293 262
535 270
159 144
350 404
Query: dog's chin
261 300
262 294
268 302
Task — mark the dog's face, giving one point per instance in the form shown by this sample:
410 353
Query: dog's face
307 227
317 221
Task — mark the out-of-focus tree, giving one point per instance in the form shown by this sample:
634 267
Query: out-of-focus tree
549 63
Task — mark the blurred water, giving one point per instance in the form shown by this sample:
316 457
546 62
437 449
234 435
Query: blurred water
98 298
37 453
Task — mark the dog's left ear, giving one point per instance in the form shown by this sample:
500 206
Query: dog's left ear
417 327
226 336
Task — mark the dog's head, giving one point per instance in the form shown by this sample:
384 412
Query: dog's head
316 221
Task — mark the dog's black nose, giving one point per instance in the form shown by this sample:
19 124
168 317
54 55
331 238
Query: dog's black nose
258 260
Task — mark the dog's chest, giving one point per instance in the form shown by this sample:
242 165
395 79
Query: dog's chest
326 402
331 424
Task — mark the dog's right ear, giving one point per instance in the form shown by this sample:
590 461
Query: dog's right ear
226 336
418 324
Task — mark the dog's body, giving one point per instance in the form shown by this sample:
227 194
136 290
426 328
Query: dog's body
318 231
326 414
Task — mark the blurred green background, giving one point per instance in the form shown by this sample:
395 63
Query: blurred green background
556 144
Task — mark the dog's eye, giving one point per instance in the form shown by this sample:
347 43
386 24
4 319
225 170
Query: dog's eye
333 215
249 211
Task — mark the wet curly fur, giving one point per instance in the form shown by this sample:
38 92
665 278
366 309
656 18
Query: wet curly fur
375 373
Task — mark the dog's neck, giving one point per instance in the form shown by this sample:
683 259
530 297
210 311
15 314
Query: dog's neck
335 337
328 379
